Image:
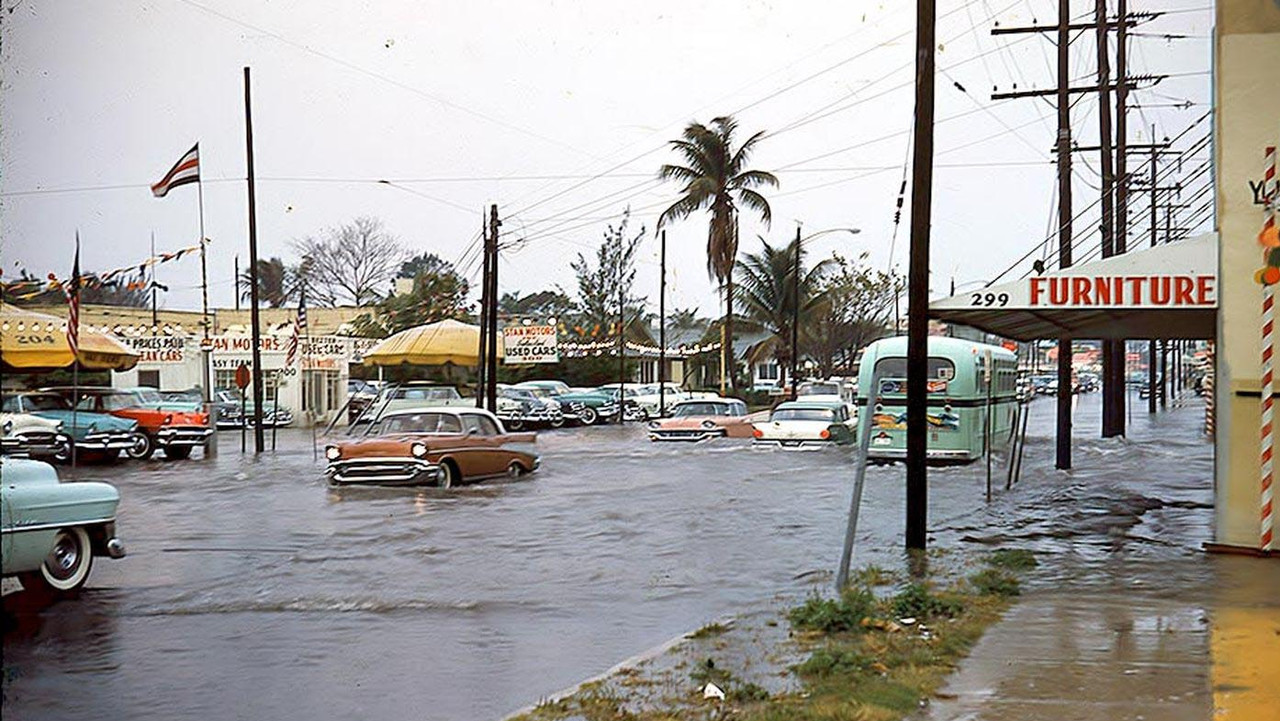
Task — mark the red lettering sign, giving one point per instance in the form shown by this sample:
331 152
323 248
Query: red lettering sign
1126 291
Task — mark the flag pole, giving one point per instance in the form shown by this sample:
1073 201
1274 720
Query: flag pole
306 351
74 320
206 345
204 270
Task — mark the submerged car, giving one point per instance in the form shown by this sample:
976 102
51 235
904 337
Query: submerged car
648 399
806 424
586 406
700 420
520 407
174 432
444 447
52 530
95 435
229 411
30 435
411 395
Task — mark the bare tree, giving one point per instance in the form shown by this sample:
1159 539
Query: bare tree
351 263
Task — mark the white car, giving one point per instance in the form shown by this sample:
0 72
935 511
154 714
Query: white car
832 390
648 402
25 434
518 407
806 425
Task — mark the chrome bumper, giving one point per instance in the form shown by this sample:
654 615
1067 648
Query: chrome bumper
685 435
182 436
356 471
33 444
106 442
791 444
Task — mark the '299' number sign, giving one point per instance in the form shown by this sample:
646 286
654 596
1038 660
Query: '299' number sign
989 300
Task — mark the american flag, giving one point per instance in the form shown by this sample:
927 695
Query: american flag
73 306
186 170
299 327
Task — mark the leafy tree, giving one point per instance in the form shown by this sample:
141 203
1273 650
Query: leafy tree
716 178
857 303
350 263
767 293
277 283
543 304
438 293
607 283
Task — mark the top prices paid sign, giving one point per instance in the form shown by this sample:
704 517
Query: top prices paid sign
530 344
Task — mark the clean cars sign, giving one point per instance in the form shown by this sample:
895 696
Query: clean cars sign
530 344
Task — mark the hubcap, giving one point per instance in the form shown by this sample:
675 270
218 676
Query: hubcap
64 557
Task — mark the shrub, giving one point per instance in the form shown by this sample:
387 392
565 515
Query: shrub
917 601
828 661
831 615
1013 559
995 582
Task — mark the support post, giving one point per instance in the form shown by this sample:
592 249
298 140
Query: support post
918 274
795 319
491 375
482 356
1106 223
1063 433
662 325
258 439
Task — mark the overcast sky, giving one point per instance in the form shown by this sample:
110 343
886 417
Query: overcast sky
464 104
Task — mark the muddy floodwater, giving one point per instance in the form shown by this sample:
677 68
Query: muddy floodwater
254 591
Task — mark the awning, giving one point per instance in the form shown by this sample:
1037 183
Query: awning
448 341
31 341
1169 291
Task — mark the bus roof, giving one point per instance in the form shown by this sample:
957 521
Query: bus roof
938 345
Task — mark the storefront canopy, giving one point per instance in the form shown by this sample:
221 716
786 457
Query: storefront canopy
31 341
448 341
1169 291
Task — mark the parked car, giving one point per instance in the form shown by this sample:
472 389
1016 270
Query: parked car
228 403
521 407
703 419
414 394
433 446
806 424
26 434
94 435
52 530
587 406
174 432
360 395
1041 384
646 400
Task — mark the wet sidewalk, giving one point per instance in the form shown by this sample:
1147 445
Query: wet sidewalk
1127 618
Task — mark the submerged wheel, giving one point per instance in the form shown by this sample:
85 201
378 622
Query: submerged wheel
557 422
142 447
514 470
588 416
66 568
177 453
448 475
63 454
515 424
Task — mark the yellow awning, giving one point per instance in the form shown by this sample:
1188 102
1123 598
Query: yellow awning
448 341
36 341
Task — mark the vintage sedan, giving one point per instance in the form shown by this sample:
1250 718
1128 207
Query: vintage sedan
521 407
30 435
443 446
700 420
174 432
51 530
94 435
586 406
229 403
806 425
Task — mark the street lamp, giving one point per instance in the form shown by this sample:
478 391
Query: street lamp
795 299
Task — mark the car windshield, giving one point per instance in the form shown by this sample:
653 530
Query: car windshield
420 423
819 389
428 394
112 401
539 392
803 414
45 402
518 394
686 410
147 396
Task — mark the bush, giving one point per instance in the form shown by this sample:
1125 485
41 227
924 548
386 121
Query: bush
917 601
995 582
830 661
829 615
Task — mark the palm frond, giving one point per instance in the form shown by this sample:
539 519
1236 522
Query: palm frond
756 202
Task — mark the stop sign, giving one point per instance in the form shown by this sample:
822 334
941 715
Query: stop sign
243 377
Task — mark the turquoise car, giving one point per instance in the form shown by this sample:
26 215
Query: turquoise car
50 531
588 407
95 435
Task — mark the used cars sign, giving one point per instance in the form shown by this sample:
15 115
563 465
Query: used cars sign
530 344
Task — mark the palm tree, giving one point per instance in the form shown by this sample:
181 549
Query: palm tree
767 291
277 283
715 178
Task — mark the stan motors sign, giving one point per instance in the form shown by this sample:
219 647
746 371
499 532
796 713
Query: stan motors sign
530 344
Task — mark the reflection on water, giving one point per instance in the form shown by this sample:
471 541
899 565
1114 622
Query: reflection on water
253 590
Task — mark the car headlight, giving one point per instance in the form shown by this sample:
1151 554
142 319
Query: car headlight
708 424
8 427
333 453
58 428
655 424
418 450
168 419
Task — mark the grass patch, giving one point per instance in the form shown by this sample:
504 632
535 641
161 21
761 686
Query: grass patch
872 576
710 630
1012 559
918 601
830 615
995 582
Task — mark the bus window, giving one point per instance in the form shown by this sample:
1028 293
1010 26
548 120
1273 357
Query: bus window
939 368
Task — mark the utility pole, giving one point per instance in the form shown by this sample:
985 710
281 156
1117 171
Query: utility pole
154 315
1151 344
482 358
491 374
1119 349
237 282
256 330
1106 224
918 278
622 346
795 319
1063 451
662 326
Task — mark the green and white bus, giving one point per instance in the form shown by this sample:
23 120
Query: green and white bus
970 384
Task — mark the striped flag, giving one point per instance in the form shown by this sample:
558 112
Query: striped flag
299 327
186 170
73 305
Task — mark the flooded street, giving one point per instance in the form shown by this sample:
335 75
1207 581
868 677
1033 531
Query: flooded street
253 590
